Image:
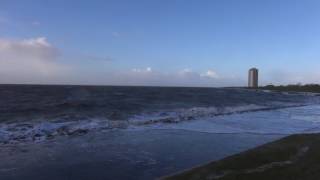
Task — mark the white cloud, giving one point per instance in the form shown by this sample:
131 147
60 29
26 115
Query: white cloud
283 77
146 70
210 74
37 61
28 60
184 77
186 71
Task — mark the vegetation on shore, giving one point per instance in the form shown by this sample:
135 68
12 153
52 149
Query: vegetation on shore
295 157
315 88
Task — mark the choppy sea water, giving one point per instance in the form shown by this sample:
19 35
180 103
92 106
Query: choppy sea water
77 132
37 113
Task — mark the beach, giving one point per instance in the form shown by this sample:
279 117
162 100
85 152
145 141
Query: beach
295 157
86 132
121 154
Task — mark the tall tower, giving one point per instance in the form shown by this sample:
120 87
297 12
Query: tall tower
253 78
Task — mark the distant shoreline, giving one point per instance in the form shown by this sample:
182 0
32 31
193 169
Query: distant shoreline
292 157
109 85
313 88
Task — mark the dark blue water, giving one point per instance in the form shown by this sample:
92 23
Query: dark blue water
120 154
27 103
36 113
104 132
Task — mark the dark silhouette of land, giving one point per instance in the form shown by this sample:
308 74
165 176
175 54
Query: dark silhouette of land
295 157
315 88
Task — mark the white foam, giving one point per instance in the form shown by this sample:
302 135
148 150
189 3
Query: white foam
281 121
179 115
203 119
38 131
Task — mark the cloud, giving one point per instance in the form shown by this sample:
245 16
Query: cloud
146 70
188 73
210 74
37 61
283 77
149 69
34 48
29 60
154 77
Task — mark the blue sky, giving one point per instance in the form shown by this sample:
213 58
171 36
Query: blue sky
163 42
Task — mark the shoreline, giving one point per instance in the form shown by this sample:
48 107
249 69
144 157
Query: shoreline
292 157
121 154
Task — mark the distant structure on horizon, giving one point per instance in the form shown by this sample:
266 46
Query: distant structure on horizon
253 78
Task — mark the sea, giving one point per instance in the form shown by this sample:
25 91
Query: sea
121 132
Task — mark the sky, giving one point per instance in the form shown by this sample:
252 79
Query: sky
159 42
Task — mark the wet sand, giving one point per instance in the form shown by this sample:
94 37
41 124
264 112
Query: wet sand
121 154
295 157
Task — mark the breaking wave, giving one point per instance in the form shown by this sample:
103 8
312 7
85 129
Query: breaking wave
43 130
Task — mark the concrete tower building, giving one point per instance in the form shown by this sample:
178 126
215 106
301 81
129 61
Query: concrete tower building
253 78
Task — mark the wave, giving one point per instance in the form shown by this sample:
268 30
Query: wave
180 115
283 121
39 131
43 130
